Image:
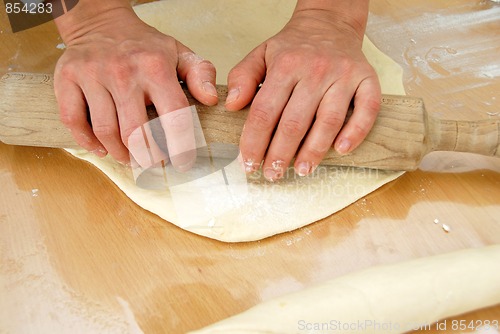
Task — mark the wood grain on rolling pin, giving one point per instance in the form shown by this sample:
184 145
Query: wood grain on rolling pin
403 133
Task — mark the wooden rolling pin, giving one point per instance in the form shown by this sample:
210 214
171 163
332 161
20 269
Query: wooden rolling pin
403 133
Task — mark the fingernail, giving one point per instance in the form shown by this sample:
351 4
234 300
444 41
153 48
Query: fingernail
343 146
249 165
272 175
100 152
277 164
209 88
304 168
185 167
233 95
275 172
125 163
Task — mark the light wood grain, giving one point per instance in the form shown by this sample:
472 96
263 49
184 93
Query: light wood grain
402 135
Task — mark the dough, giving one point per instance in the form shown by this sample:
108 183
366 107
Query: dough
225 35
385 299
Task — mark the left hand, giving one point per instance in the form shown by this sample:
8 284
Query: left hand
311 70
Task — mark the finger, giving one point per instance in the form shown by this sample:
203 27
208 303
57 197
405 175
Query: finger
198 74
329 120
263 116
135 129
73 114
181 143
164 91
293 125
176 119
104 121
244 79
366 108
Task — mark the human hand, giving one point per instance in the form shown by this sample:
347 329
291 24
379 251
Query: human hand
116 64
311 70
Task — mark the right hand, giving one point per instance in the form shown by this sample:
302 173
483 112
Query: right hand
116 64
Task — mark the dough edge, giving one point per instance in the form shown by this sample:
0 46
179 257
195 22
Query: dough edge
230 227
445 285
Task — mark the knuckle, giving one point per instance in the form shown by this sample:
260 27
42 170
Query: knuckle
78 69
178 122
104 131
288 59
70 120
206 64
123 102
292 128
122 72
372 105
242 75
319 66
154 62
285 63
68 62
66 70
237 72
260 118
361 130
332 120
316 152
346 66
203 69
130 132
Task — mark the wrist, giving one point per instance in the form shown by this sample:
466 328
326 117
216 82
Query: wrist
349 14
89 15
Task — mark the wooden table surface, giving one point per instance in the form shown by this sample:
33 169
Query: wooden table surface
78 256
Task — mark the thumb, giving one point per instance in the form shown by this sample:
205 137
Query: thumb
198 74
244 79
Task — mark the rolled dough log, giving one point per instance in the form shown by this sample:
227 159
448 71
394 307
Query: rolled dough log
385 299
225 34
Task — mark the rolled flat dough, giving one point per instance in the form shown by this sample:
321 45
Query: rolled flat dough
225 35
386 299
